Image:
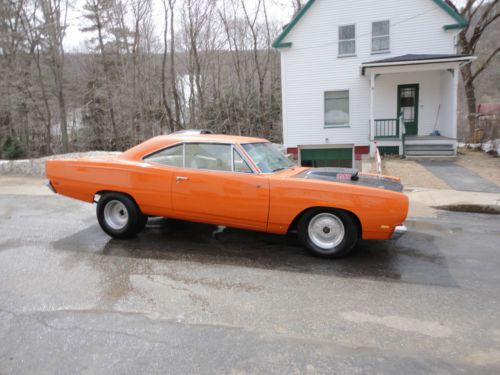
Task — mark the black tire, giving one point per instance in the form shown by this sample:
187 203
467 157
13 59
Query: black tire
125 225
341 246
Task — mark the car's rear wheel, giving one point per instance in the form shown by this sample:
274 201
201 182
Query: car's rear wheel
119 216
328 233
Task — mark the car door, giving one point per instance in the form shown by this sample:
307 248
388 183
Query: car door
217 186
155 180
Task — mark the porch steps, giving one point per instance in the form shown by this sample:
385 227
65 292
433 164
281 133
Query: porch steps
429 150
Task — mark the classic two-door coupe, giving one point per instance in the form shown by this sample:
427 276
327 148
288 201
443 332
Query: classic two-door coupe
237 182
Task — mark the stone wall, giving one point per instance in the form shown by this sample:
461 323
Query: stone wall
36 167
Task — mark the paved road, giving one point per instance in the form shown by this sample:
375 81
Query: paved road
458 177
174 300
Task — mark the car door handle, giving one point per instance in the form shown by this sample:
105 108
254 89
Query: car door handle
181 178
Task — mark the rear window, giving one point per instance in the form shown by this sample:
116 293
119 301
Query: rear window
172 156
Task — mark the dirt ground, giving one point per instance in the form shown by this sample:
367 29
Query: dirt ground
485 165
415 175
412 174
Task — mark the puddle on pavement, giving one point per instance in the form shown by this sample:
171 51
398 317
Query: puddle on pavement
471 208
414 258
10 244
428 227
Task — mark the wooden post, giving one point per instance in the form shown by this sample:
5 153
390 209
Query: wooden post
372 118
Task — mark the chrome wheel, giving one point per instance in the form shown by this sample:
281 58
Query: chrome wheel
116 214
326 230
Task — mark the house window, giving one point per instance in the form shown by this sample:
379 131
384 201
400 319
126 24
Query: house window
380 36
336 108
347 40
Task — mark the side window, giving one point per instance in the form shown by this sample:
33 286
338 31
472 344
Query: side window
380 36
336 108
216 157
240 165
347 40
172 156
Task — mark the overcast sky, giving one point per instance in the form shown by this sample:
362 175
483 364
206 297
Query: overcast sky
278 10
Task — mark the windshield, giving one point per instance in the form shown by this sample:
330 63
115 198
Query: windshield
267 157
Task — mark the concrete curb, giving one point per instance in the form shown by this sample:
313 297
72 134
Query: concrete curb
454 200
36 167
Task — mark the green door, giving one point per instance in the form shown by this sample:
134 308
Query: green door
408 106
326 157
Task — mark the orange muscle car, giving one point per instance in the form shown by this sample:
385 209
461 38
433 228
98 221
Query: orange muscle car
234 181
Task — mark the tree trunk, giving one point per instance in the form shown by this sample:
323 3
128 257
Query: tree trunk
470 95
48 120
173 73
109 92
62 112
168 110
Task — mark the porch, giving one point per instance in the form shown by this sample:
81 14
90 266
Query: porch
413 104
418 146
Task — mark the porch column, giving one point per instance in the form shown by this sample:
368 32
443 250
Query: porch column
372 118
454 106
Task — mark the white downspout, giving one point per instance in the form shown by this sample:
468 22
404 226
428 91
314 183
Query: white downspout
372 118
454 107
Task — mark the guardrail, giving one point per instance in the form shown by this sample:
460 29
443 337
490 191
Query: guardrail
387 128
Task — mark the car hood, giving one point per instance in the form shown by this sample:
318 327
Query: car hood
351 176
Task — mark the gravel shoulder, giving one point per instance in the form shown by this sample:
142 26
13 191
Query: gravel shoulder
485 165
412 174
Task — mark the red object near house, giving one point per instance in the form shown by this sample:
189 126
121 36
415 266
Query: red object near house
488 108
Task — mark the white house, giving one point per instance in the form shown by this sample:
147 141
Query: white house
361 72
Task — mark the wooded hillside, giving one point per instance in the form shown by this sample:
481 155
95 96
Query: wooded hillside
212 67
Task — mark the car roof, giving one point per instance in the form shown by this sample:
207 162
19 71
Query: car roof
162 141
219 138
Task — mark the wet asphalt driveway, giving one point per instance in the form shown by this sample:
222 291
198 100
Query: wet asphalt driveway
458 177
175 300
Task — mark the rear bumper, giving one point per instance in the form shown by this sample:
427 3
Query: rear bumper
399 231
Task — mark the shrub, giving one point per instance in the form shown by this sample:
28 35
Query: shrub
12 148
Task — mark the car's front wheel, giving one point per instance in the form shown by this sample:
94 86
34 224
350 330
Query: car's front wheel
119 216
328 233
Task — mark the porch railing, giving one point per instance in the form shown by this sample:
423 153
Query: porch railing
387 128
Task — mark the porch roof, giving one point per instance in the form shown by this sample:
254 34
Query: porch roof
417 59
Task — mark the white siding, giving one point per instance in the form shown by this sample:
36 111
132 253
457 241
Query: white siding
311 66
448 114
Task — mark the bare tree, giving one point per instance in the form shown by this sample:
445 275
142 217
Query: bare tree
216 70
33 28
54 14
480 15
173 72
164 96
98 13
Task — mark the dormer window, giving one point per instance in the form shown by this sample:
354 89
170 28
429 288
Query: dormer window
380 36
347 40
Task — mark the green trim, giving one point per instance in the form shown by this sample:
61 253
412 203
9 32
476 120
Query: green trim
388 150
461 22
416 104
278 42
454 26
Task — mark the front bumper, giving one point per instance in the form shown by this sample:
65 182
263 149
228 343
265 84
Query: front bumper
51 187
399 231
